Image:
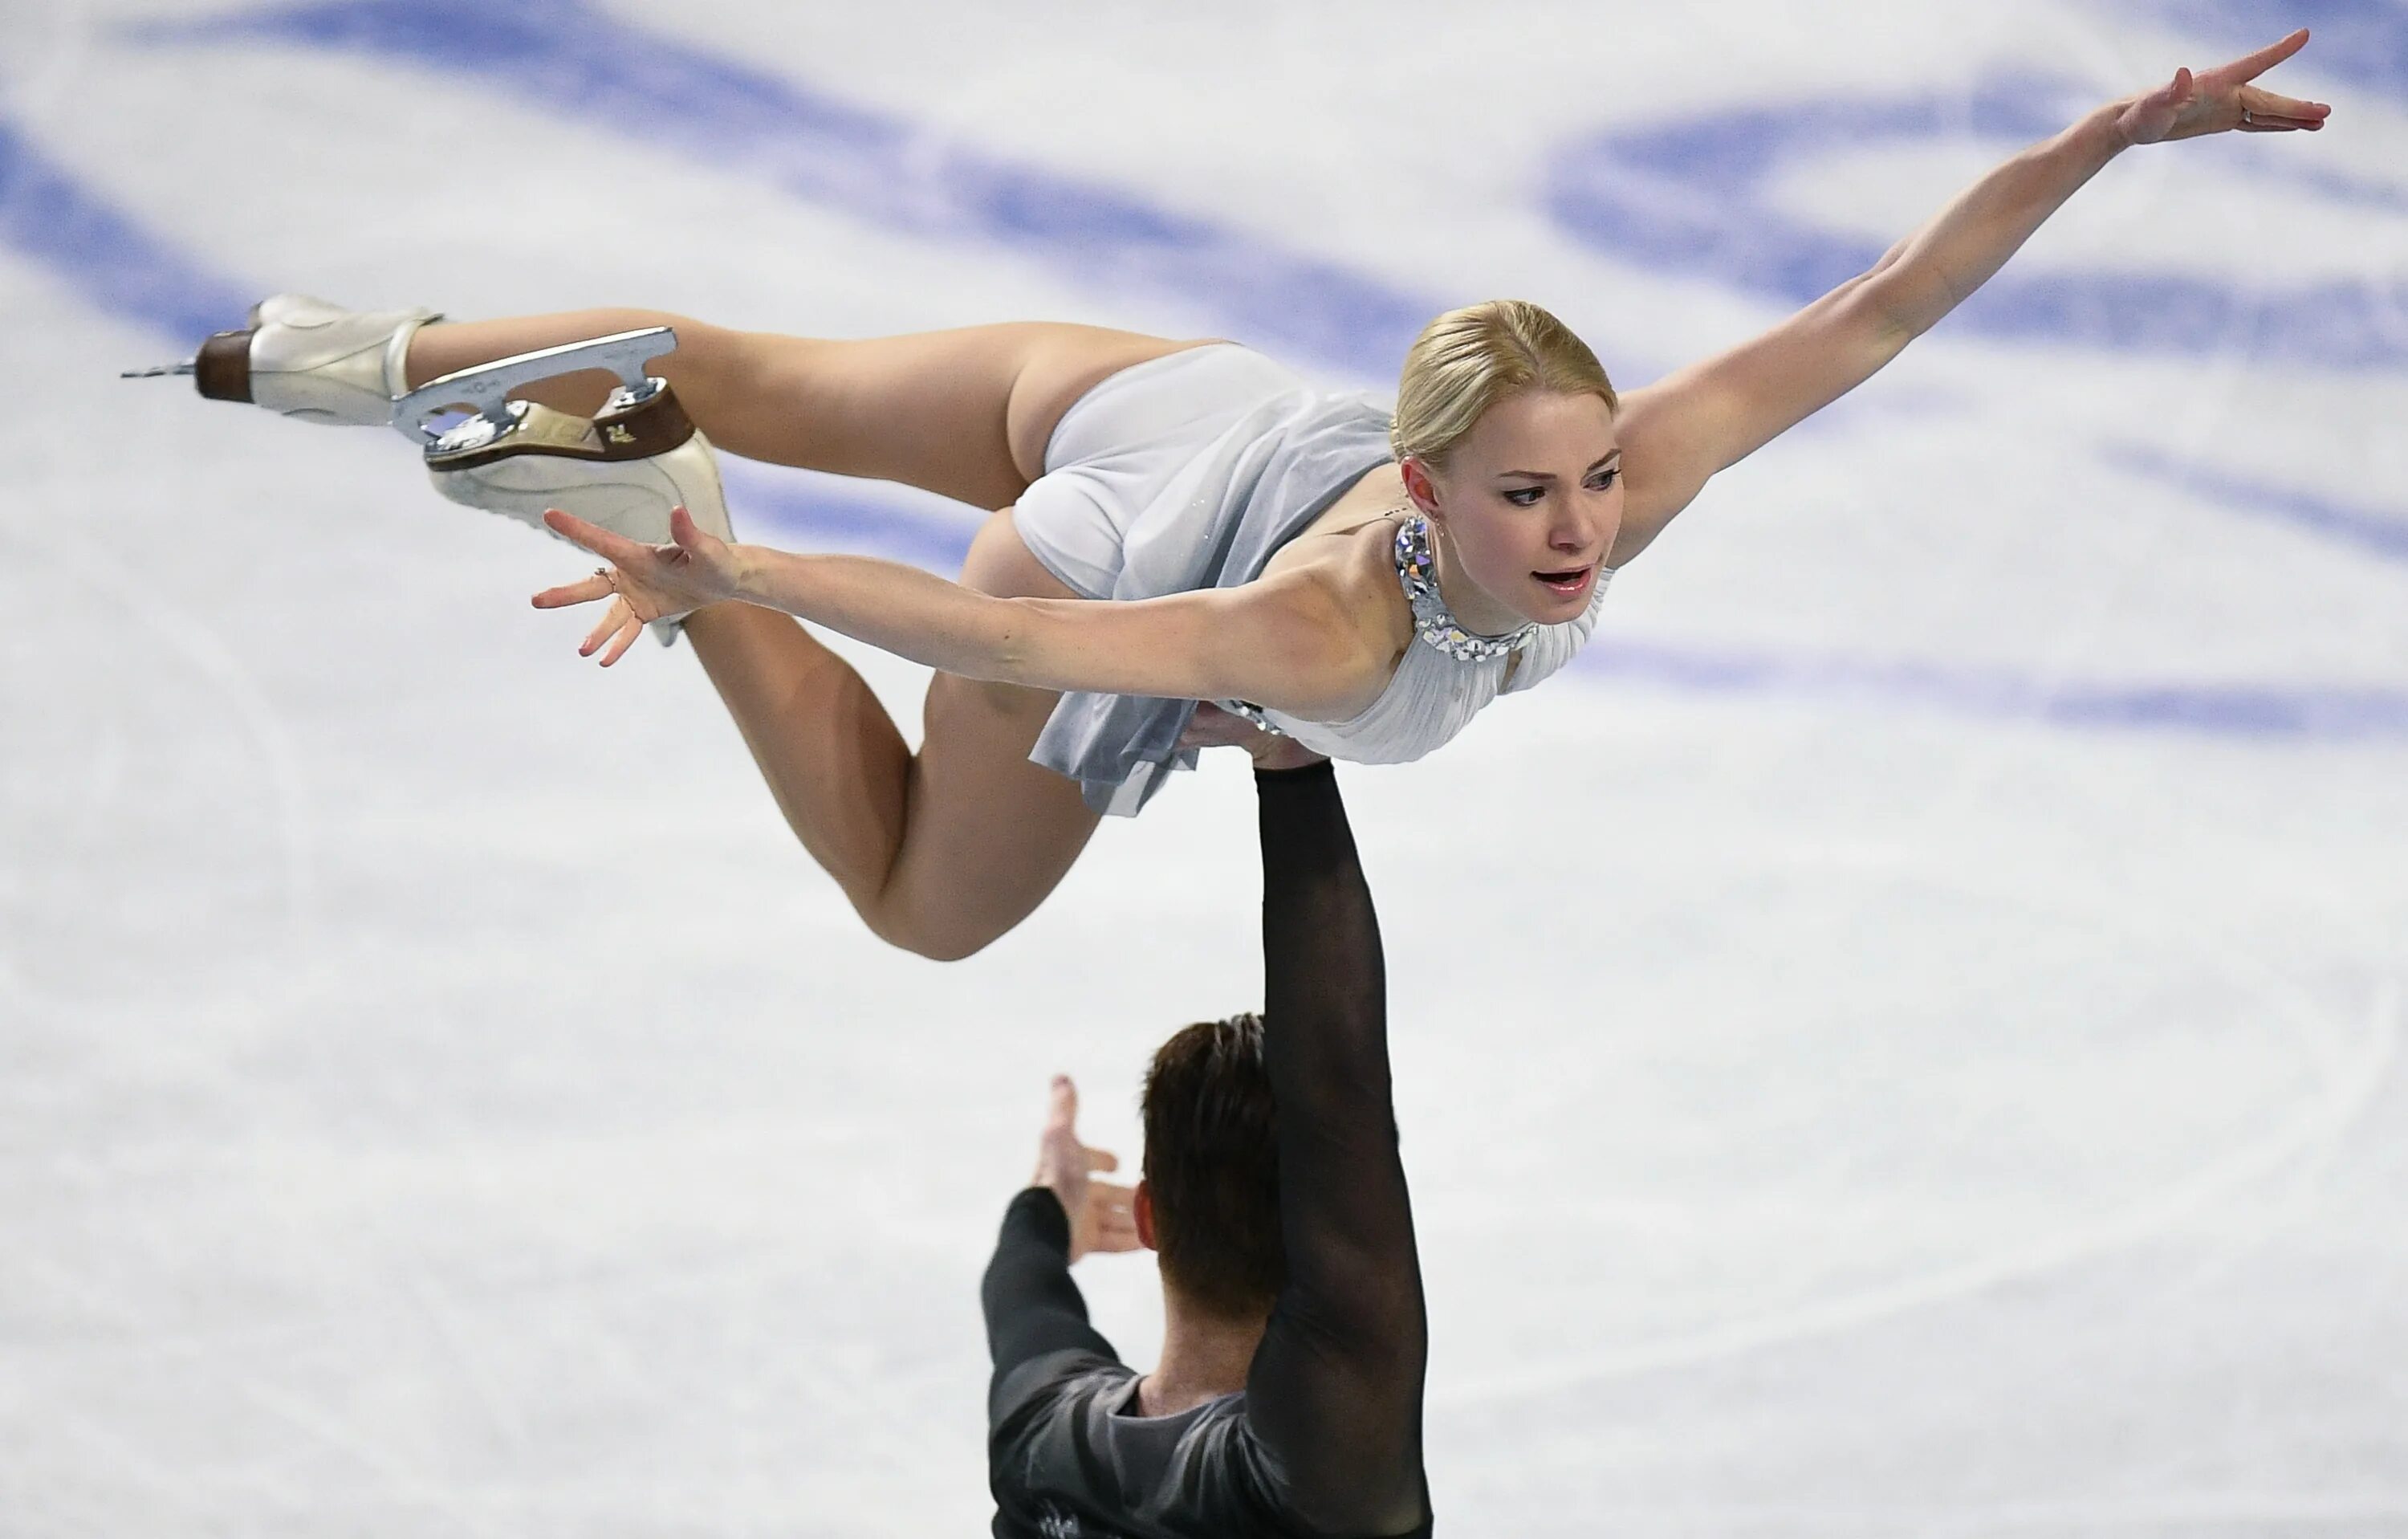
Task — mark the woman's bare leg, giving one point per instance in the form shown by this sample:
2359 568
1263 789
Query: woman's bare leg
966 414
942 851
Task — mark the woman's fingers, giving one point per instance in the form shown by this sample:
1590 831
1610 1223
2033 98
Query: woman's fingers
2150 118
2252 66
601 541
2170 95
628 631
2265 103
613 618
584 591
619 627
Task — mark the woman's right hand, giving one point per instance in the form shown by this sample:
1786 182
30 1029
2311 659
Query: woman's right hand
643 582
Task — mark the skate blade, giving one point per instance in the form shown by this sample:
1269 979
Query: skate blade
483 388
160 371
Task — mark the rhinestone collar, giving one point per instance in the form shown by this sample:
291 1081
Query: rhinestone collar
1417 570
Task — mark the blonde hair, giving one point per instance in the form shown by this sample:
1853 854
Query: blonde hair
1469 359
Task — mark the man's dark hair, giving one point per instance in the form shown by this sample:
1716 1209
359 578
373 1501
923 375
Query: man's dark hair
1212 1160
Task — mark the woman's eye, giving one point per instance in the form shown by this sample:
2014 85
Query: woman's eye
1603 480
1523 496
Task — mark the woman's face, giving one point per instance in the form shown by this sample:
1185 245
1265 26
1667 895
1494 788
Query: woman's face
1526 507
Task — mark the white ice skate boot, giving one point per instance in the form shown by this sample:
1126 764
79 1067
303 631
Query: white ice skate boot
624 469
307 359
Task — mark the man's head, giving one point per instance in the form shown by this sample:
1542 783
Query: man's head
1210 1201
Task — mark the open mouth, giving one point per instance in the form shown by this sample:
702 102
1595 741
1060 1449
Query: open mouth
1569 582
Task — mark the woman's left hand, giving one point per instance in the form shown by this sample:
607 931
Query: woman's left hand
2222 99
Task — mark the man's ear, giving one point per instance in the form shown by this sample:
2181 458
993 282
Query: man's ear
1141 1208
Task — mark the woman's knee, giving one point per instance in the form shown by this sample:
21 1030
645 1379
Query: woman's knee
926 932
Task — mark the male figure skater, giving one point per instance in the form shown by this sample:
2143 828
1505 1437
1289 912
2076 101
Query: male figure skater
1288 1400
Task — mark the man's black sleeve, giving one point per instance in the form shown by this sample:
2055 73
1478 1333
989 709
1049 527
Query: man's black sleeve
1335 1393
1032 1306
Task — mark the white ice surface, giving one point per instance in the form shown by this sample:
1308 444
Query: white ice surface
437 1097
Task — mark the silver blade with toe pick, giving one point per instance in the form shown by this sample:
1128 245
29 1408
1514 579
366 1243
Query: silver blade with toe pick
484 388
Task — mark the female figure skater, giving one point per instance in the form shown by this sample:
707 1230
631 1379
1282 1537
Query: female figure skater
1362 584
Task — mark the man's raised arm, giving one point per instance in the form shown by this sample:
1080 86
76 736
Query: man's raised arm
1335 1391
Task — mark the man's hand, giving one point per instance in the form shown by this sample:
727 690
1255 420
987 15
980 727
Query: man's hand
1214 728
1102 1214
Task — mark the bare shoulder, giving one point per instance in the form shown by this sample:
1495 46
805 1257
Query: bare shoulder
1338 618
1653 425
1644 409
1354 571
1663 469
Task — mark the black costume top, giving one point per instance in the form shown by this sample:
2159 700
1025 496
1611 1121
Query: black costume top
1327 1437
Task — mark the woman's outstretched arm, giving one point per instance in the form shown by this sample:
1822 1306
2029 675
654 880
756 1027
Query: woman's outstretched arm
1288 642
1680 431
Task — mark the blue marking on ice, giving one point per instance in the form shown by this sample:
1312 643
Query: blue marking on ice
574 60
1697 196
47 215
2216 710
925 530
2374 533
